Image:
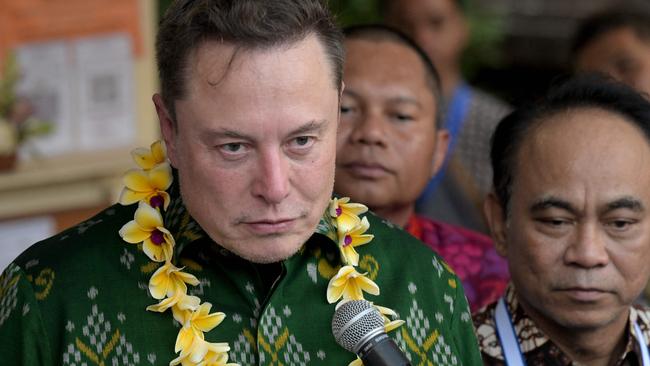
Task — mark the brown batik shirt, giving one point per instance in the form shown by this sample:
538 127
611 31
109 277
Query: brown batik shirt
536 347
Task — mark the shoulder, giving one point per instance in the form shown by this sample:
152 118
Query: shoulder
487 107
486 333
641 315
484 318
99 231
424 291
392 240
91 246
67 271
484 100
450 241
408 266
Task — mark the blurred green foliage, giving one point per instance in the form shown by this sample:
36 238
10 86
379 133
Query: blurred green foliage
162 6
484 47
349 12
16 120
8 79
487 30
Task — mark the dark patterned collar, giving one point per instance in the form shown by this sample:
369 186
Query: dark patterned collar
536 346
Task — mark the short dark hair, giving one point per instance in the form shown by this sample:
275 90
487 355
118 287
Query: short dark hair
582 91
380 32
248 24
634 16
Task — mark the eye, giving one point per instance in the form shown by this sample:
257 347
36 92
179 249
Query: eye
621 224
345 109
303 140
301 144
554 222
403 117
232 148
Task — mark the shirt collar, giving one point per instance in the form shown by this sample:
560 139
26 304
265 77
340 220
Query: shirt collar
534 339
414 227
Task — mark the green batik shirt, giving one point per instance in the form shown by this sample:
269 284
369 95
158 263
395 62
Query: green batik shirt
79 298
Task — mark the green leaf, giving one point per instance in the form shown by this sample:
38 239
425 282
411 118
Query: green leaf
8 80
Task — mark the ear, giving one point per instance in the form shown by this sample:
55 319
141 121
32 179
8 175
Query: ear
495 215
440 152
167 127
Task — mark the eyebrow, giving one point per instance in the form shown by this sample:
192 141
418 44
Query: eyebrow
630 203
405 99
627 202
225 133
552 202
397 99
311 126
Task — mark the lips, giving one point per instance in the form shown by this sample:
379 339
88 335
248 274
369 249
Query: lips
366 170
271 227
585 294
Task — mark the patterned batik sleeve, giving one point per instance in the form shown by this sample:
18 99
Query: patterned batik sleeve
462 329
22 336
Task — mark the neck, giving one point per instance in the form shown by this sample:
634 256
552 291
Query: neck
398 215
600 346
449 81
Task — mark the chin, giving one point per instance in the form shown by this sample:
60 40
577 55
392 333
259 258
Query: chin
585 319
269 250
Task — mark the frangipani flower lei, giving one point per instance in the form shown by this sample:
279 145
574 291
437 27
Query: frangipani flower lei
147 186
348 284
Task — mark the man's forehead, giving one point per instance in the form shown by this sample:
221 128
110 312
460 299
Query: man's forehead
384 53
210 60
580 130
214 61
569 150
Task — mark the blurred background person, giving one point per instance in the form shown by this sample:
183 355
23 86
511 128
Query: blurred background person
441 28
616 42
389 147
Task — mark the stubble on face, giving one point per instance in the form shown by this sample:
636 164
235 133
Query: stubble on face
243 176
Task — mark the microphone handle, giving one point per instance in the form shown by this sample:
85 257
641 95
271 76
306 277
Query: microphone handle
382 351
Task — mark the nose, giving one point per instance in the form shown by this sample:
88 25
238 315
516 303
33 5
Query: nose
370 129
588 249
272 178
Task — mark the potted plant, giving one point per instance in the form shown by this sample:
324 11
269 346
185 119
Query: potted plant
17 123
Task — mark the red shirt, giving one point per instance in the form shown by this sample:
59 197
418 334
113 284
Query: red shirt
471 255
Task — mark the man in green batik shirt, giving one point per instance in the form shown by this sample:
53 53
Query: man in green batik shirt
248 111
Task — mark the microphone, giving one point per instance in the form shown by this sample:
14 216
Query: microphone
359 328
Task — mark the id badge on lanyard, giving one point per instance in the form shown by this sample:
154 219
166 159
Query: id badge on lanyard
512 352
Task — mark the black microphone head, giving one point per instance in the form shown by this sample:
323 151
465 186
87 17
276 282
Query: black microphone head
354 322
